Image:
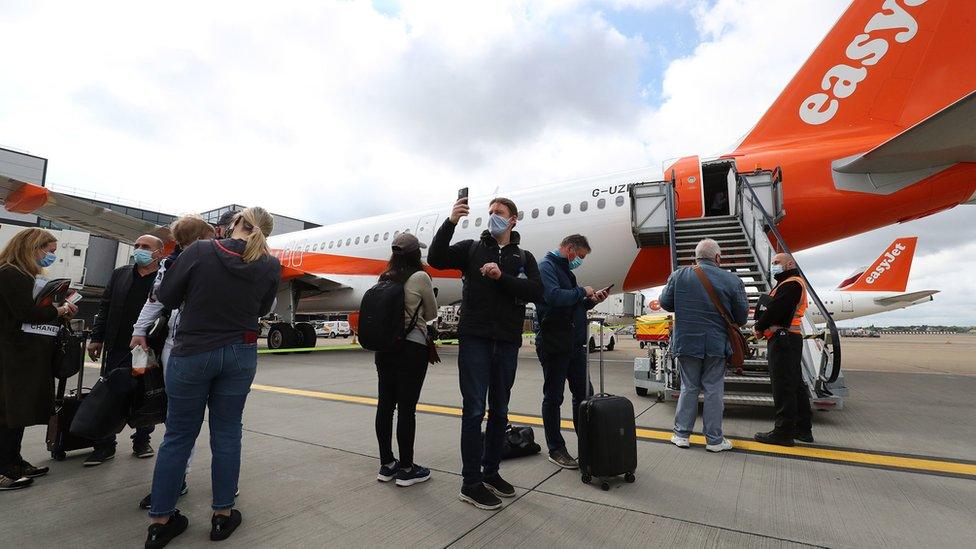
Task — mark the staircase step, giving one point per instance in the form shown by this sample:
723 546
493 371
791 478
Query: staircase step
728 235
707 220
753 399
759 380
712 229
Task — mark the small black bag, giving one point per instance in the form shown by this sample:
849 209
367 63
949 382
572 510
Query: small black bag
149 401
103 412
556 334
519 442
68 351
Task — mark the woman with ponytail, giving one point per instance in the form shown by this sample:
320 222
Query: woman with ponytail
221 287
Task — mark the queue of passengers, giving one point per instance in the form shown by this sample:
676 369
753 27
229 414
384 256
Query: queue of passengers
212 292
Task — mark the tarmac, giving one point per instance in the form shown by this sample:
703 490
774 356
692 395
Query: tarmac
894 468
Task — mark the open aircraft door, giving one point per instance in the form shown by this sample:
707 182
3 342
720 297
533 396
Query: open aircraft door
847 303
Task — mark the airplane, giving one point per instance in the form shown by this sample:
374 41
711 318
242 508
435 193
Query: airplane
877 127
875 289
869 290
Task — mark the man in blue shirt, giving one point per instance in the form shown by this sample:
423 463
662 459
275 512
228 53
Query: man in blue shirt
700 341
561 335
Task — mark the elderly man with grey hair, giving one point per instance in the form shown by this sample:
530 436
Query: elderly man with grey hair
700 341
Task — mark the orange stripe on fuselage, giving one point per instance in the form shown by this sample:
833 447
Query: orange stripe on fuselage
295 264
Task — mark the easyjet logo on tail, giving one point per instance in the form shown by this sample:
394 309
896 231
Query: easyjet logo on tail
866 49
889 272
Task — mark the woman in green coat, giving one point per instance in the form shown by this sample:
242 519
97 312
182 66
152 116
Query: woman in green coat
26 374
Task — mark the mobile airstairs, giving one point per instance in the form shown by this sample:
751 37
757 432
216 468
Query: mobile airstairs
745 226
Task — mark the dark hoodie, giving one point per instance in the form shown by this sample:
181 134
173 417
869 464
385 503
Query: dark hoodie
221 295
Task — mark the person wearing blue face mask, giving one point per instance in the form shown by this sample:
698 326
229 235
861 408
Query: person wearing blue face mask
118 310
561 329
498 279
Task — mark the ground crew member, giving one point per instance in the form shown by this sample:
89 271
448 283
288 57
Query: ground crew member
780 324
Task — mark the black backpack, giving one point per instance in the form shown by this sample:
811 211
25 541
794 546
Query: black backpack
381 315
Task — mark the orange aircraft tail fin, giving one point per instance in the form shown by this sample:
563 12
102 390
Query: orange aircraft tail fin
881 68
888 273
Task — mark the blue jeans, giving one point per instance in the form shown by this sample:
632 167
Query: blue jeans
218 379
486 367
557 370
697 375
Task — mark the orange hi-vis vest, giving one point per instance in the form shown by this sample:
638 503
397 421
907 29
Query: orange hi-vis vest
801 308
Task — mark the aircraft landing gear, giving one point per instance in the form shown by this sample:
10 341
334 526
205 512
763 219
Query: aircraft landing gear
306 335
282 336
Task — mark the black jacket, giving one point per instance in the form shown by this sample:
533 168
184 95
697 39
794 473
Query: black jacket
107 321
781 307
494 309
222 296
26 376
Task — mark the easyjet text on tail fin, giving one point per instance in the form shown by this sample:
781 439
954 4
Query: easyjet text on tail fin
888 273
875 72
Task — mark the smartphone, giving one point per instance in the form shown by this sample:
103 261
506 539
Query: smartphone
607 289
463 194
73 297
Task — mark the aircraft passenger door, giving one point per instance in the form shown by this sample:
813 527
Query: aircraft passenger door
847 303
426 228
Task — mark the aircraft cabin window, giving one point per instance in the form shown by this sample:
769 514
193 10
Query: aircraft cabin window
521 215
602 203
584 206
386 236
376 237
306 247
619 201
315 248
357 240
366 240
464 224
477 222
535 213
338 243
550 211
331 243
348 241
567 208
406 231
396 234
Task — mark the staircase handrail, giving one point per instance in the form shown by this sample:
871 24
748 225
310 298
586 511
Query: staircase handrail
671 204
777 177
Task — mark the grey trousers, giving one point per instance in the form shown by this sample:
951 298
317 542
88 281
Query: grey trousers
701 375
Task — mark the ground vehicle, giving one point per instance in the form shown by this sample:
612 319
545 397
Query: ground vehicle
332 328
609 338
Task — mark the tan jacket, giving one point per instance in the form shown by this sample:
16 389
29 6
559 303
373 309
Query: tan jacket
419 292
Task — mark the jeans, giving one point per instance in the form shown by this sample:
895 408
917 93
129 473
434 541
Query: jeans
401 377
486 367
10 441
697 375
219 380
791 398
557 370
115 359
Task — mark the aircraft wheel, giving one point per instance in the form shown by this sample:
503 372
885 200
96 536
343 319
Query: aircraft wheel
641 391
306 335
282 336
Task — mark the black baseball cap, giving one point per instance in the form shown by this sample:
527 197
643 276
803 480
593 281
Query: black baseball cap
406 243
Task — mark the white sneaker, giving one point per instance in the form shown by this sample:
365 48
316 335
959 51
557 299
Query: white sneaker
680 442
726 444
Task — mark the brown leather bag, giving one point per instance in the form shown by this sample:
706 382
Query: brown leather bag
740 347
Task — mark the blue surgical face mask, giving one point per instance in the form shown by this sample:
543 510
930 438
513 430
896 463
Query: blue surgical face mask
776 269
48 260
142 257
497 225
575 263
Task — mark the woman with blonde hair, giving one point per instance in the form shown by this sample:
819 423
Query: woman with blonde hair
222 287
26 376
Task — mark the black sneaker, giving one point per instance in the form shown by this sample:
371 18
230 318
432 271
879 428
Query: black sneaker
25 469
162 534
479 496
387 474
222 527
804 437
142 450
562 458
8 484
99 456
146 502
415 475
774 437
499 487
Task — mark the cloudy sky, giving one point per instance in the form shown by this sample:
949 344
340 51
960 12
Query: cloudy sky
335 110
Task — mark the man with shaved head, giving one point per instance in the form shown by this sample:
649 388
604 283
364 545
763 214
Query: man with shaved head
118 310
779 317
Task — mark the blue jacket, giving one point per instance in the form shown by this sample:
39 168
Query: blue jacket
560 292
698 329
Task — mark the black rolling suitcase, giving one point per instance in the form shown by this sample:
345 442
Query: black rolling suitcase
607 434
59 439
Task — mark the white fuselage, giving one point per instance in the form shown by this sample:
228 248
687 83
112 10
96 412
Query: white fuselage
847 305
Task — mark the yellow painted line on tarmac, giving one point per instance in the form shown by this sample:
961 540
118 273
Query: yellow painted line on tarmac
833 455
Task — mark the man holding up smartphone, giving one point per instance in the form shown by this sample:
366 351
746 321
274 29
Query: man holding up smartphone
562 332
499 278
